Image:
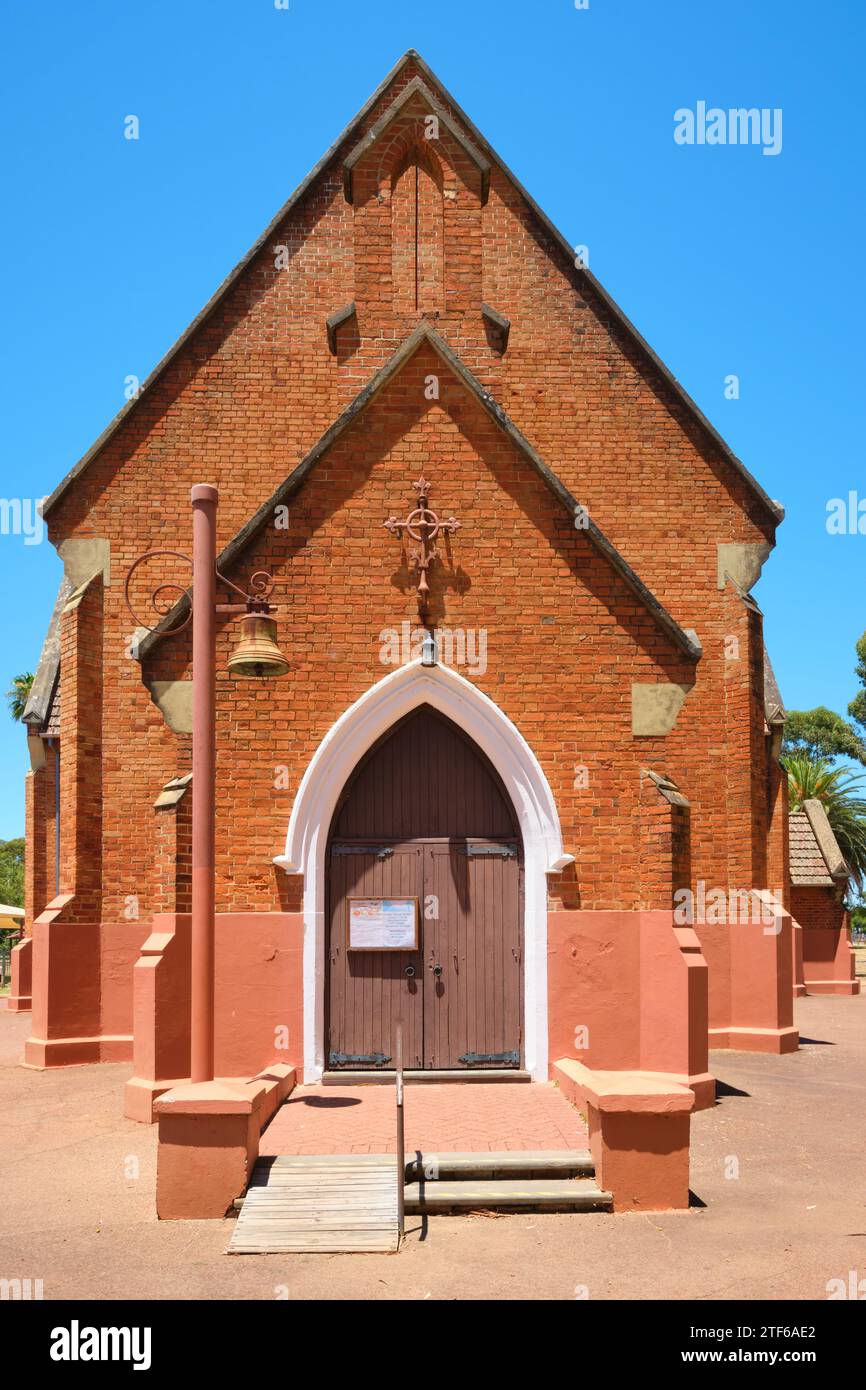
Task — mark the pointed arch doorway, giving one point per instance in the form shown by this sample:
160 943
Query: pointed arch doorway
425 816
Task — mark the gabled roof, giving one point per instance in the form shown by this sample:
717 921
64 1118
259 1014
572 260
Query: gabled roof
424 333
816 859
43 692
583 276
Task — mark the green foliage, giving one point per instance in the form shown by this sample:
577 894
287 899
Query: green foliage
18 692
12 872
11 883
821 733
857 707
839 793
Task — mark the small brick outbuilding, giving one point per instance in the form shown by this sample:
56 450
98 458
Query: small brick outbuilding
819 879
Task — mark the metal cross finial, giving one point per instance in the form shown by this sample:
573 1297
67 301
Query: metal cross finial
423 525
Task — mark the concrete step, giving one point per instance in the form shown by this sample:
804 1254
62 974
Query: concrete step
541 1172
386 1078
439 1167
540 1194
522 1163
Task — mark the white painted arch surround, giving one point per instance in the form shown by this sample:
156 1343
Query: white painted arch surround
377 710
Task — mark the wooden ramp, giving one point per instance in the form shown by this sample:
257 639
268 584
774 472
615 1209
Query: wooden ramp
332 1202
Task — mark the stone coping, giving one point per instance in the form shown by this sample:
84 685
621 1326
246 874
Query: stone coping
229 1095
650 1092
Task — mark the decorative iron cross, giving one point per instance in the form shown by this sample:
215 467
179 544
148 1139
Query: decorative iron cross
423 525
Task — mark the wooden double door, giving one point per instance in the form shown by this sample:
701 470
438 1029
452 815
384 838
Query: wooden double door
425 817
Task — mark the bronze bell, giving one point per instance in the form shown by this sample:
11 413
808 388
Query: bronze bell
257 653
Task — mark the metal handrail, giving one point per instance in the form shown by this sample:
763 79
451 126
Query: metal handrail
401 1139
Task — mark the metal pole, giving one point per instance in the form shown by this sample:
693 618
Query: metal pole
204 500
401 1139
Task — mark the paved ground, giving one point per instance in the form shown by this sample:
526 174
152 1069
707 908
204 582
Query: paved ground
76 1216
439 1119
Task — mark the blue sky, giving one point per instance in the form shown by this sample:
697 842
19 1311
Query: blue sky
727 260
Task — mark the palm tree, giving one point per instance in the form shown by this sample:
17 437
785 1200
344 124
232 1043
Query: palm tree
838 792
17 695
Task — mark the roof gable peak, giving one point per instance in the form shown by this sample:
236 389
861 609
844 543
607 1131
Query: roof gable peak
417 87
485 152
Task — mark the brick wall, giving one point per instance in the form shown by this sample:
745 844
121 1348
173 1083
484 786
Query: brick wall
665 848
817 908
256 386
172 869
40 864
81 767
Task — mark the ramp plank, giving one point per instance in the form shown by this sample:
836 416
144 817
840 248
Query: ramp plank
317 1205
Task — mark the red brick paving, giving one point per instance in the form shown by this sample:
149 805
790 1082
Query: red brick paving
447 1118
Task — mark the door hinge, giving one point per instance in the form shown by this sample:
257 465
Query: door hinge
368 1059
479 1059
490 851
384 853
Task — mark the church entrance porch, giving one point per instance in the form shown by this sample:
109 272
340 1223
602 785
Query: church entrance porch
326 1178
441 1117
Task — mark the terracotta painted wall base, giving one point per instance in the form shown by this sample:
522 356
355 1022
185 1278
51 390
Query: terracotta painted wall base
751 970
639 1125
82 989
209 1142
628 992
76 1052
849 987
828 961
775 1040
20 999
797 958
258 974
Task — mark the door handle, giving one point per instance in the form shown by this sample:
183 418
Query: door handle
437 970
409 970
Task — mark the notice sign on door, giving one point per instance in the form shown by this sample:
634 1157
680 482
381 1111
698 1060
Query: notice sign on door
383 924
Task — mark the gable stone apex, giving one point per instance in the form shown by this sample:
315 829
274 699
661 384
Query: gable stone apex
417 87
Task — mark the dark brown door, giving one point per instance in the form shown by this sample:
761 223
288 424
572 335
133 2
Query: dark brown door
369 990
425 816
472 972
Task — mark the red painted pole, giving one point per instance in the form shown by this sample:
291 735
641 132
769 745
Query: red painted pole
204 507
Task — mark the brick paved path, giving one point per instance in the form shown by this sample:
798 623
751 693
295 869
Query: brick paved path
452 1117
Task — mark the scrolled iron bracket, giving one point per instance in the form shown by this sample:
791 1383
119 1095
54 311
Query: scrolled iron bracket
255 599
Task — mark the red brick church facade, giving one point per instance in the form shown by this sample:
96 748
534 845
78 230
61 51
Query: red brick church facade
412 311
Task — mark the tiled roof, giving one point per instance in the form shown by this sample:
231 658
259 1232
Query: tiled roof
37 711
816 860
52 723
807 862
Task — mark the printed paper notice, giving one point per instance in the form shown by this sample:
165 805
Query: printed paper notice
383 924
